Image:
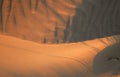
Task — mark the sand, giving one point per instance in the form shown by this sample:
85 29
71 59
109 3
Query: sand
21 58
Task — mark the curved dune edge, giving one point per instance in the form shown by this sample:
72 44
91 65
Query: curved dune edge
20 58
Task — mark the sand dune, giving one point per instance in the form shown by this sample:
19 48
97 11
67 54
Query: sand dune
35 20
38 18
20 58
64 21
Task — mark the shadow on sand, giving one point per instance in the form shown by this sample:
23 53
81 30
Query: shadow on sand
108 60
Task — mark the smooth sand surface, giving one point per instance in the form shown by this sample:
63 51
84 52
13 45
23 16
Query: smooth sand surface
21 58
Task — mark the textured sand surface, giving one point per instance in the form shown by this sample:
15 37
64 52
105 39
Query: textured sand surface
61 20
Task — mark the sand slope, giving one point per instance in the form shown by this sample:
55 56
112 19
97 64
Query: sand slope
81 20
20 58
38 18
